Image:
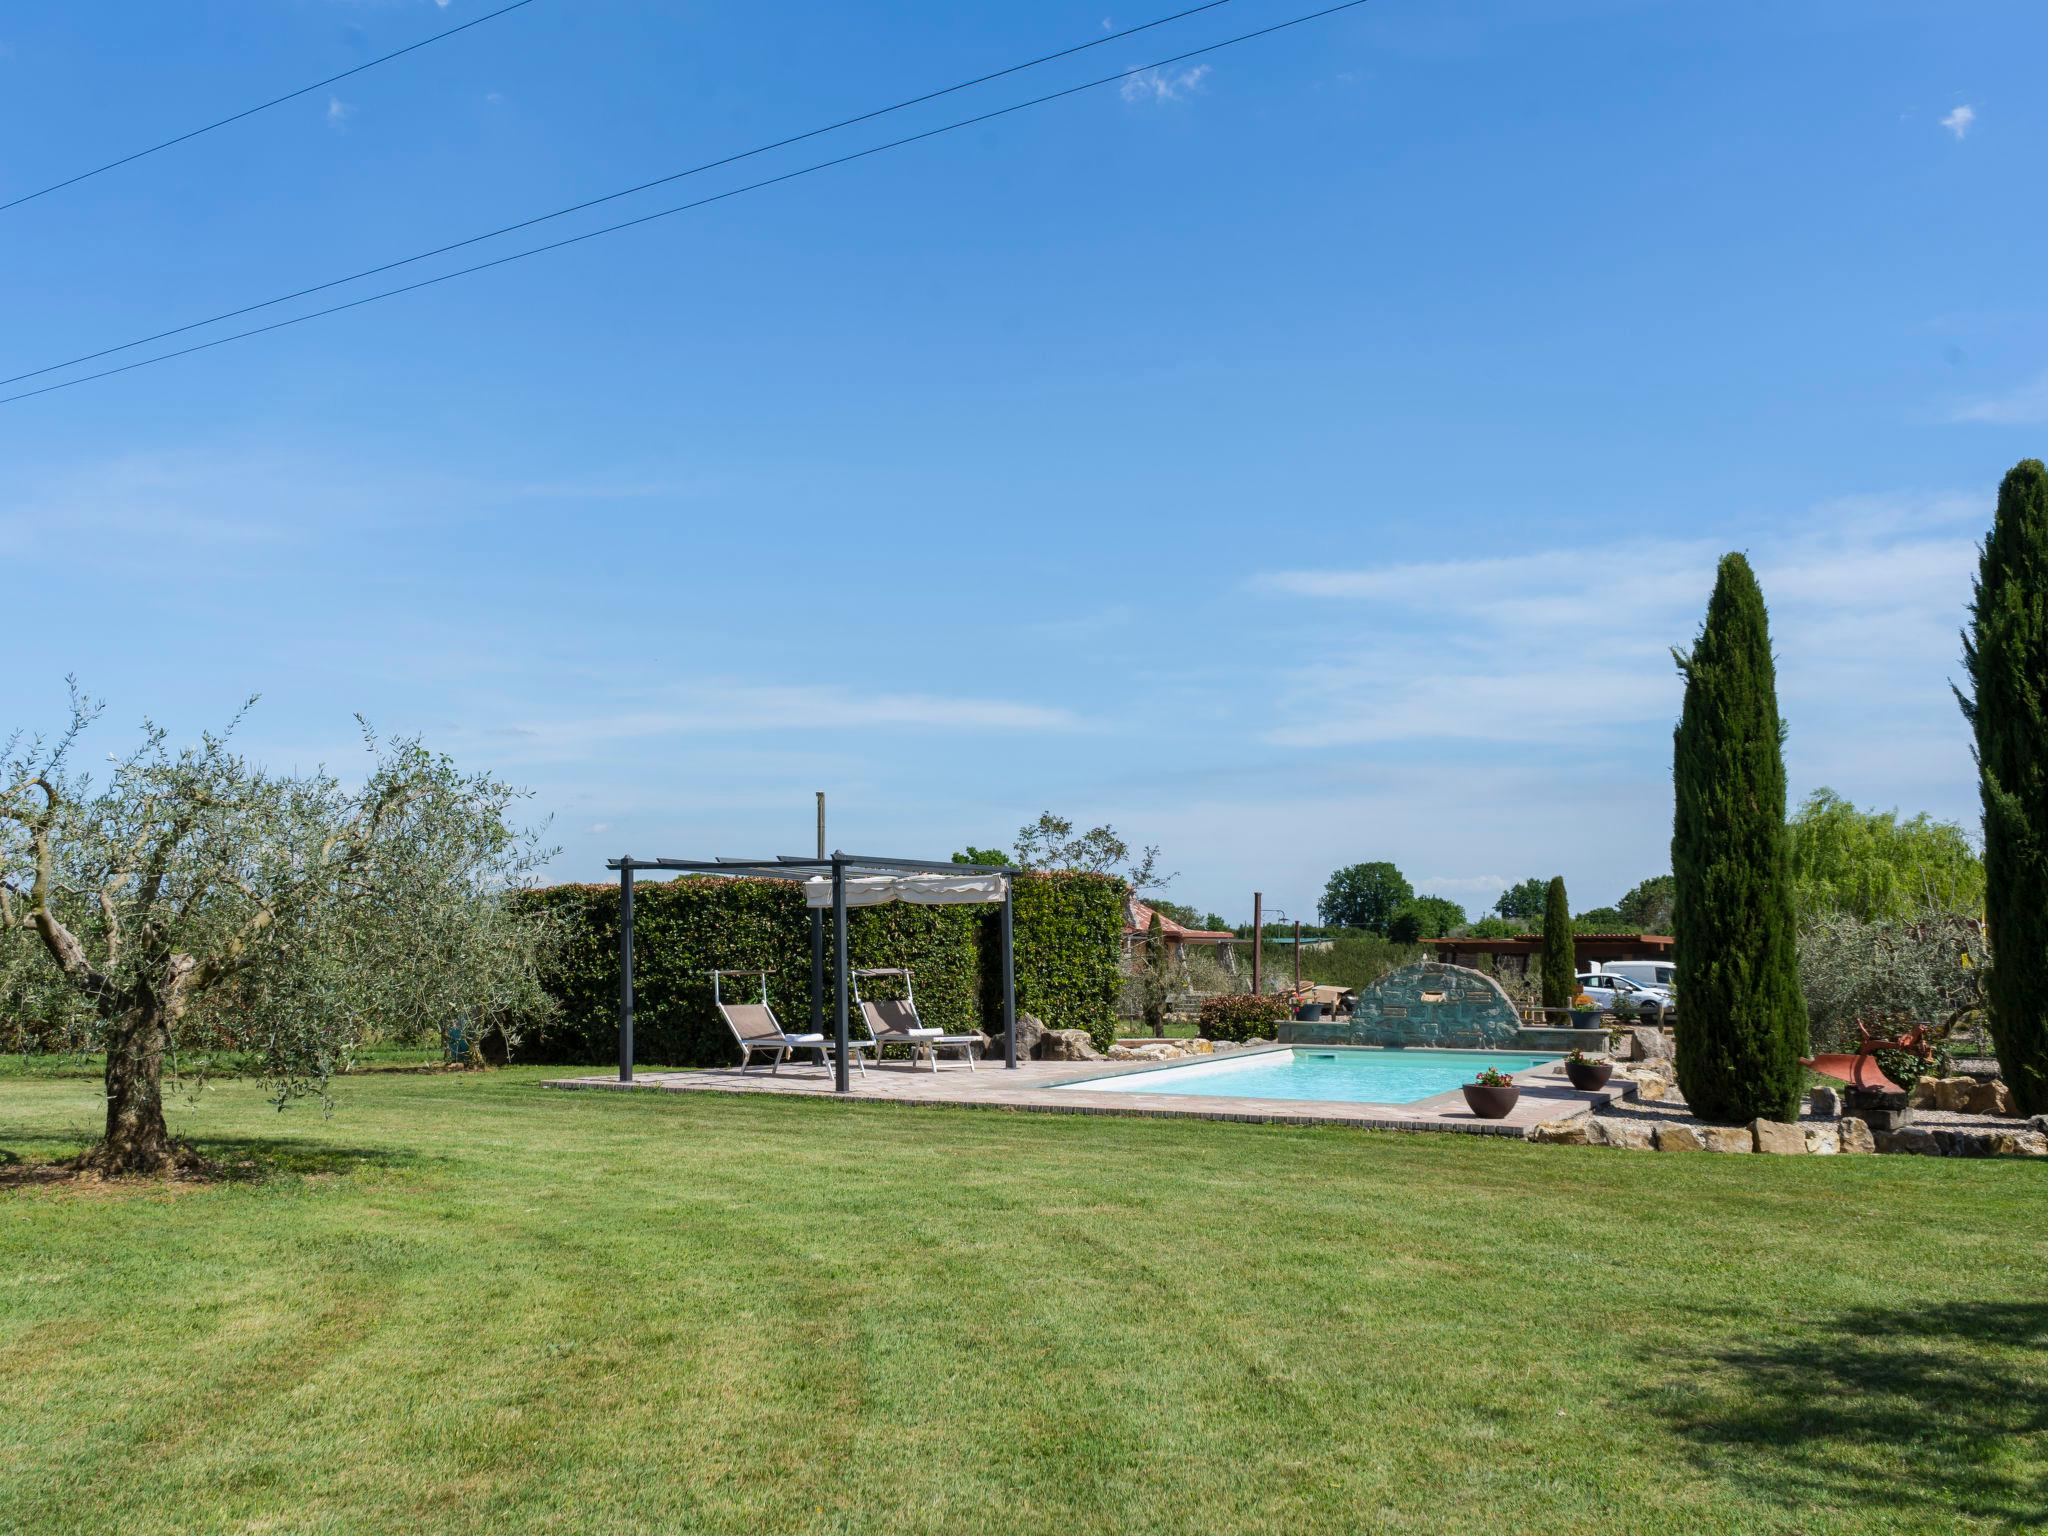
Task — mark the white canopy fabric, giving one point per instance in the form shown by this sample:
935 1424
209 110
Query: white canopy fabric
918 890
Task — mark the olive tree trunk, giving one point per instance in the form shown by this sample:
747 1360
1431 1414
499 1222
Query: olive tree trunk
136 1140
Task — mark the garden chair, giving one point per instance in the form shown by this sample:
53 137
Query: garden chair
756 1028
895 1022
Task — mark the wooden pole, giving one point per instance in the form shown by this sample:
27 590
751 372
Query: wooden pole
1297 960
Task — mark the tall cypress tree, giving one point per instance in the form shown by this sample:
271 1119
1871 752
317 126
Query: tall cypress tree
2006 652
1560 957
1741 1025
1153 984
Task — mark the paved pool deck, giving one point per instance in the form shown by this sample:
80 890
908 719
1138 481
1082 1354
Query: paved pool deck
1546 1095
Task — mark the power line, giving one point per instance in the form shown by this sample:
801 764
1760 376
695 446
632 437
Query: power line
716 197
609 197
275 101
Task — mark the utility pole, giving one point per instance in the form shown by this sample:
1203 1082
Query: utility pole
1258 943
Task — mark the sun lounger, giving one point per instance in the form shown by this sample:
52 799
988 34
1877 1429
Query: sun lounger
756 1028
895 1022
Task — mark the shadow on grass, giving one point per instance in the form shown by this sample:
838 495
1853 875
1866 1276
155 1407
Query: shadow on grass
214 1160
1921 1413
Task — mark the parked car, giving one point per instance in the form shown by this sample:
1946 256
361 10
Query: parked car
1625 998
1646 973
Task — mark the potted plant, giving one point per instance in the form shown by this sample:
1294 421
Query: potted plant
1491 1094
1586 1073
1585 1012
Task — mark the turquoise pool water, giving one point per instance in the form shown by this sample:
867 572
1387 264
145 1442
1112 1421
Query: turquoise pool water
1358 1075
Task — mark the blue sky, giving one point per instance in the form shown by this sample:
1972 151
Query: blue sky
1309 459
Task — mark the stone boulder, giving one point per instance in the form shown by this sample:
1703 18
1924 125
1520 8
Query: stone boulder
1992 1098
2017 1143
1030 1030
1673 1137
1574 1132
1822 1140
1777 1137
1067 1045
1947 1093
1826 1102
1650 1086
1852 1135
1629 1135
1727 1138
1912 1139
1158 1051
1647 1043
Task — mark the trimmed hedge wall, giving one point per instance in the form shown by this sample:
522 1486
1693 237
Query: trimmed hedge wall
1068 932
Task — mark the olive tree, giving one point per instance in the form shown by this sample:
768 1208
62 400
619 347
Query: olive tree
195 900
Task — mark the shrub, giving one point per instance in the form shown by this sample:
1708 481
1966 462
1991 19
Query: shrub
1929 970
1243 1016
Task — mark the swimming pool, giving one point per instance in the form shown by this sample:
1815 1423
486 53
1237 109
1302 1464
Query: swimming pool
1322 1074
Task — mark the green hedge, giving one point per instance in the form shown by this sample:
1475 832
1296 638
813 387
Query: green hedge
1068 933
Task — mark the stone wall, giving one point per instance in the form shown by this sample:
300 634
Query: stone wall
1429 1003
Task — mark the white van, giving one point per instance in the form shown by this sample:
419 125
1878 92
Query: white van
1648 973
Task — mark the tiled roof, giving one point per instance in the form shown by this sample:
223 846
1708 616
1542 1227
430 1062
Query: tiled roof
1140 921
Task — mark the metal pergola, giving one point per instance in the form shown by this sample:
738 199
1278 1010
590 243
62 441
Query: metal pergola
841 867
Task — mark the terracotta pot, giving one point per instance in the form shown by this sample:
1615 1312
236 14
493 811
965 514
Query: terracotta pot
1491 1103
1588 1075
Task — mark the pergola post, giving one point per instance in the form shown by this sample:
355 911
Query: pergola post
1009 949
840 1081
626 971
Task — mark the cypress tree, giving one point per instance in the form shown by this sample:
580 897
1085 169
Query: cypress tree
1741 1025
1154 988
2006 652
1560 957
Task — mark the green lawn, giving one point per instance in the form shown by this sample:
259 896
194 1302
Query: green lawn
468 1303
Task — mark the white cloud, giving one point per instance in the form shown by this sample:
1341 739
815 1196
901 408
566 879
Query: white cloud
1958 122
1569 649
1151 85
338 112
2025 405
597 829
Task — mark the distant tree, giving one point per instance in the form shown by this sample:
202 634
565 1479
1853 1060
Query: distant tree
1872 865
1050 843
194 897
1364 896
1155 984
971 855
1601 920
1493 928
1647 908
1742 1026
2006 652
1560 957
1424 917
1523 903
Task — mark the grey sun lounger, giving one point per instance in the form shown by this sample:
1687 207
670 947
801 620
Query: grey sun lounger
895 1022
757 1030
